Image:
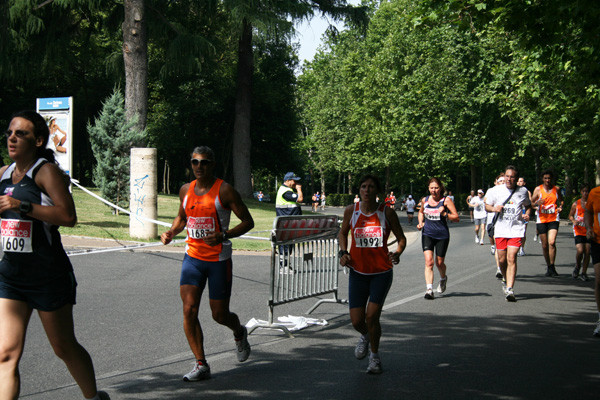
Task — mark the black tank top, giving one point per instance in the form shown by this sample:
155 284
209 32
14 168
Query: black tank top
47 260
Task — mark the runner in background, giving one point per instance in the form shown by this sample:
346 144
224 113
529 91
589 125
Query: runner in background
582 245
592 223
477 204
469 198
521 253
436 210
512 204
549 201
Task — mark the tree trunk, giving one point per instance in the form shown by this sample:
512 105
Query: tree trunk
241 128
349 183
135 56
474 178
597 172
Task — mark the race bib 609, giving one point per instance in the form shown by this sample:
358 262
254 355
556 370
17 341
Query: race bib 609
16 236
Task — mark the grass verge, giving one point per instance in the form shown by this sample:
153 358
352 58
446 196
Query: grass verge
95 219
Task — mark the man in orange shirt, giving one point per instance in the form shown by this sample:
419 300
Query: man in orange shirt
548 198
205 210
592 211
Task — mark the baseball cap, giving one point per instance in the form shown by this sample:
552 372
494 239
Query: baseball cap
480 191
409 196
291 176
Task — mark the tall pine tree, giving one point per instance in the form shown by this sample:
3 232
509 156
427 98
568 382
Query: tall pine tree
112 138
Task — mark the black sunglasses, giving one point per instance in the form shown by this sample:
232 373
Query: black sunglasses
19 133
204 162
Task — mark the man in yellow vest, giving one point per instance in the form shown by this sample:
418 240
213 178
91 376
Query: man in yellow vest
287 201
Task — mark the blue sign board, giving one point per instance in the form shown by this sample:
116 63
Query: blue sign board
53 103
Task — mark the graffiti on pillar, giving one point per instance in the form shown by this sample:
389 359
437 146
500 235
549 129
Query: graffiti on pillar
138 198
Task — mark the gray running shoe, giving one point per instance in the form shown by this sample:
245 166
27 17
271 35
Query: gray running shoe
442 286
429 294
597 330
575 273
374 366
199 373
243 346
584 277
362 348
510 295
102 395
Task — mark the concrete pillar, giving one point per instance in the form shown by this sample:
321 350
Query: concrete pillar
143 192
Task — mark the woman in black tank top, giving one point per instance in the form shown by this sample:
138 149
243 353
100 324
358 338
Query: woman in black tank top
35 272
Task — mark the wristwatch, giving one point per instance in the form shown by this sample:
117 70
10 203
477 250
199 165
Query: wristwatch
225 236
25 207
342 253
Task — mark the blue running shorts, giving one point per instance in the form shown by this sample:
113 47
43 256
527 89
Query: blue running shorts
218 273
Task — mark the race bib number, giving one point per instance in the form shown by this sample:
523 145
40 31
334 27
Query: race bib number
432 214
16 236
200 227
580 221
511 213
368 237
549 209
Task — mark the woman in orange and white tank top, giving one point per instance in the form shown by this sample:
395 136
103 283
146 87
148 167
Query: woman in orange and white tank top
370 264
576 216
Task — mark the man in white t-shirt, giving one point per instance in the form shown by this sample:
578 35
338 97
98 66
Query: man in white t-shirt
510 225
479 216
410 208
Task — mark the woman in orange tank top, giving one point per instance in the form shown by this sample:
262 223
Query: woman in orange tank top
576 216
370 264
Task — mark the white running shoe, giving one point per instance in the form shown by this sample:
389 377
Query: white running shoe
362 348
521 252
476 239
535 238
442 286
510 295
597 330
243 346
429 294
493 250
374 366
199 373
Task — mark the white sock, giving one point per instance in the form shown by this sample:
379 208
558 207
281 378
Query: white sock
96 397
430 286
374 355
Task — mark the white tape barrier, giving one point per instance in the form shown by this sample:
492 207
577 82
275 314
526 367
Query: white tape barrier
140 245
117 207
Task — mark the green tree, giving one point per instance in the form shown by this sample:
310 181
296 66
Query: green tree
112 136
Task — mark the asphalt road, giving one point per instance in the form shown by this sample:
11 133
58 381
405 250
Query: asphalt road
466 344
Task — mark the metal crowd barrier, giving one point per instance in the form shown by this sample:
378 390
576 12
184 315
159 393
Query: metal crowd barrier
304 262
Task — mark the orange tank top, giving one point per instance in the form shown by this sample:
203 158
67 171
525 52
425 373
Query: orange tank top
547 211
370 234
579 225
593 206
205 214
